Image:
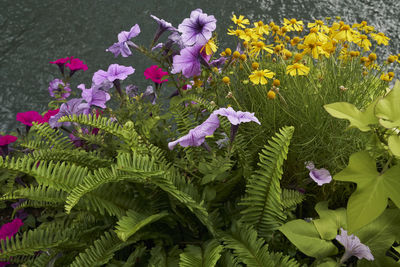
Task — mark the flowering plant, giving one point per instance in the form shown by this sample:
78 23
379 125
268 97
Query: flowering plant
222 172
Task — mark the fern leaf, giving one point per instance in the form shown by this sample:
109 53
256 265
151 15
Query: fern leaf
264 209
205 256
38 193
252 250
134 221
291 198
55 138
182 119
135 255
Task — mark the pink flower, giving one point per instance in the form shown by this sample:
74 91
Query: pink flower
10 229
155 74
76 64
7 139
49 114
28 117
61 61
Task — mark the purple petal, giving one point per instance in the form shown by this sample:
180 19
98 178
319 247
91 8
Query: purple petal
99 77
321 176
126 36
353 247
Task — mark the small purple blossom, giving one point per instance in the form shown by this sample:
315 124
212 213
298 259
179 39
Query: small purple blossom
320 176
114 72
94 96
236 117
125 36
198 28
73 106
353 247
132 90
218 63
188 62
150 94
196 136
157 46
59 90
122 46
162 27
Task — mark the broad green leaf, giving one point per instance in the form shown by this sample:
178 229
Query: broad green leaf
388 108
373 189
327 262
330 221
394 145
379 236
306 238
357 118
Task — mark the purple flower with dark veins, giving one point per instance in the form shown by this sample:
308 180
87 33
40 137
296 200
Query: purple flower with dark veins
188 62
73 106
114 72
59 90
198 28
320 176
353 247
236 117
196 136
122 46
162 27
94 96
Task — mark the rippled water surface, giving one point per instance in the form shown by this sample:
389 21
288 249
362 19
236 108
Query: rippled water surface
34 32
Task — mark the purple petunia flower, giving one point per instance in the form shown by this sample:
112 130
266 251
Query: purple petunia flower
353 247
122 46
218 63
236 117
73 106
162 27
320 176
59 90
94 96
132 90
188 62
198 28
114 72
196 136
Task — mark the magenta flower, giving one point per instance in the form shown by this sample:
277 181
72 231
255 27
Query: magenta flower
94 96
198 28
353 247
122 46
73 106
236 117
76 64
10 229
155 73
114 72
61 61
196 136
49 114
28 117
7 139
320 176
188 62
59 90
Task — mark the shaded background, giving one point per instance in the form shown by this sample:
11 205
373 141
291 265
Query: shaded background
34 32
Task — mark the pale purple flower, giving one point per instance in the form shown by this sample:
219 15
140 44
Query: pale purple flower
73 106
188 62
122 46
353 247
59 89
162 27
150 94
132 90
218 63
94 96
114 72
176 38
198 28
320 176
157 46
236 117
196 136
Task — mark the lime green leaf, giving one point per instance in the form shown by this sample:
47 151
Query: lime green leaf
379 237
357 118
330 221
394 145
327 262
306 238
373 189
388 108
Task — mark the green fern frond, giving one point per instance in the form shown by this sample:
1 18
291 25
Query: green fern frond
200 101
291 198
205 256
38 193
23 164
103 123
252 250
264 209
182 118
158 257
91 160
55 137
134 221
135 255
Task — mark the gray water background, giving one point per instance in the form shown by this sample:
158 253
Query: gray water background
34 32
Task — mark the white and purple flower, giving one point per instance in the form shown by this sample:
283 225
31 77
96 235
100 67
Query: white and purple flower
320 176
353 247
198 28
94 96
122 46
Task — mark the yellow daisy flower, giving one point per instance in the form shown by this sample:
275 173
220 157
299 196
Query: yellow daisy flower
362 41
380 38
259 76
240 21
297 69
260 46
293 25
319 25
210 47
